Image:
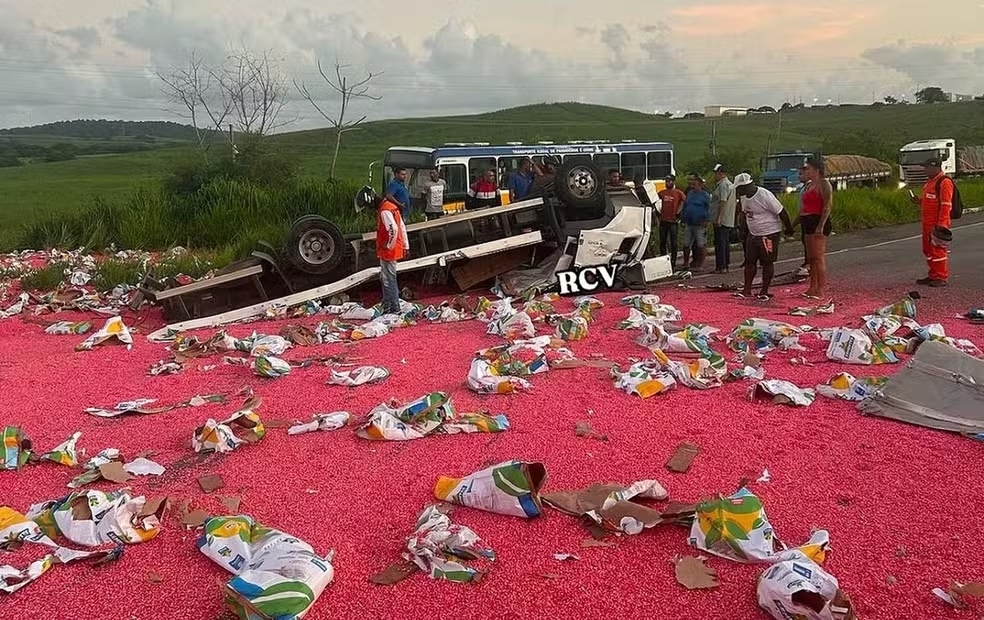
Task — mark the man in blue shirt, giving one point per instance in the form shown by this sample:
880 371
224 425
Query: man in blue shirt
397 193
520 181
696 214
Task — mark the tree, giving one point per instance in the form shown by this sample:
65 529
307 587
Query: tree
890 100
247 90
348 91
931 94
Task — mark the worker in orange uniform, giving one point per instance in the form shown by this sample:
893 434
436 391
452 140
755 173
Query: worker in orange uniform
391 244
936 202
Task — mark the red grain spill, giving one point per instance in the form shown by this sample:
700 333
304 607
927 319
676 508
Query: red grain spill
876 485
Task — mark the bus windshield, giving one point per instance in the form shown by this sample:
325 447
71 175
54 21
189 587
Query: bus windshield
785 162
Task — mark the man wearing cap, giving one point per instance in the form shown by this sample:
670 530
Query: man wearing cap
723 202
936 202
765 219
669 214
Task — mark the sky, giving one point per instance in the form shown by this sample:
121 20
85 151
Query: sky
63 60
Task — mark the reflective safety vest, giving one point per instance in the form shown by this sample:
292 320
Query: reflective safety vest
389 225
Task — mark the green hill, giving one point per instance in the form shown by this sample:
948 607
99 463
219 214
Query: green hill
876 131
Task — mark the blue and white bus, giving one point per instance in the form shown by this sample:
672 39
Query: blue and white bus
460 163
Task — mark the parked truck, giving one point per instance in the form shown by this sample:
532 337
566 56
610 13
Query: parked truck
781 171
957 161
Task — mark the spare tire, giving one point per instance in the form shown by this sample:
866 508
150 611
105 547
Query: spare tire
579 185
314 245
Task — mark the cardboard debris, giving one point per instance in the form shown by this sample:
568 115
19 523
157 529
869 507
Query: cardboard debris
114 328
322 422
583 429
193 519
782 393
299 335
683 457
154 577
395 572
114 472
93 468
276 574
589 543
610 506
230 503
210 483
958 591
693 574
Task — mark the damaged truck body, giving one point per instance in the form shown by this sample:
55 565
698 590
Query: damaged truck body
571 220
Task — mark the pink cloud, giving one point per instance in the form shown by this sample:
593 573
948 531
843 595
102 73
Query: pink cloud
814 24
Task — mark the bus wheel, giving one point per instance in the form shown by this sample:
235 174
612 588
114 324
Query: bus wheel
315 245
579 185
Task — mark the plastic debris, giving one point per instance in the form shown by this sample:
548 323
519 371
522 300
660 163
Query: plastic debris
845 386
511 488
904 307
143 467
511 325
139 406
851 346
17 308
936 333
760 335
572 328
958 591
16 528
565 557
65 453
644 379
16 448
430 414
650 305
270 367
484 378
322 422
783 393
372 329
703 373
765 477
66 328
114 328
436 540
797 587
221 436
94 518
276 574
358 376
164 367
827 308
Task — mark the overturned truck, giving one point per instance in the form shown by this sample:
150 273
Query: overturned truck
571 221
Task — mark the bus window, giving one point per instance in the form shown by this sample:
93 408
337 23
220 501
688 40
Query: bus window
456 177
508 165
660 165
633 164
477 167
606 162
580 158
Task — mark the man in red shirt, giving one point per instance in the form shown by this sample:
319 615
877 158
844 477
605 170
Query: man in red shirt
936 202
484 192
391 246
671 199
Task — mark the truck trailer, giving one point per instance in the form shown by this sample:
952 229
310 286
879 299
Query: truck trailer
781 171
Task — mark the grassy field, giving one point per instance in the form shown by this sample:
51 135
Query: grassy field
39 189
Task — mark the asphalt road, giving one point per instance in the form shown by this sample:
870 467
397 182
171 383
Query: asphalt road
887 259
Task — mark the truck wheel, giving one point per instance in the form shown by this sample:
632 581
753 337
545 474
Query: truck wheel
315 245
579 185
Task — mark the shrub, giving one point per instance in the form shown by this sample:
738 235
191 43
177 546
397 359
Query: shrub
46 278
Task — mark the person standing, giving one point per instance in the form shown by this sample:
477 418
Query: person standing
484 192
397 192
723 203
696 214
669 214
615 178
765 218
804 269
520 181
433 195
814 218
392 245
936 203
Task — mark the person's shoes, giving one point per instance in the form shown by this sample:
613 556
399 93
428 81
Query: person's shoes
924 281
937 283
802 272
765 296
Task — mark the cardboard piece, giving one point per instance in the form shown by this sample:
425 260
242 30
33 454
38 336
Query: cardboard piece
114 472
693 574
154 577
300 335
683 458
589 543
583 429
210 483
231 503
394 573
322 422
609 506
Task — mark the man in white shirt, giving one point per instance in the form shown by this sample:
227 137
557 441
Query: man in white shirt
433 195
765 218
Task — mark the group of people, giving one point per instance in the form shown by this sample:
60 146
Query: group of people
740 210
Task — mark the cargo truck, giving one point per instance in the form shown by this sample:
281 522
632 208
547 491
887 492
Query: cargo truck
956 161
780 173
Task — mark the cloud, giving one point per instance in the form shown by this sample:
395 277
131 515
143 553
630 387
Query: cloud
944 65
616 38
86 37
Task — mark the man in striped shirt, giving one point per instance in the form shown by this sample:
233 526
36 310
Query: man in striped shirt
484 192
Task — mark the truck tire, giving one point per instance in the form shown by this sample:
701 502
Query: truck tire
579 185
315 245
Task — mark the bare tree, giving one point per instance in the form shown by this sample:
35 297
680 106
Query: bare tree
198 97
247 90
348 91
256 90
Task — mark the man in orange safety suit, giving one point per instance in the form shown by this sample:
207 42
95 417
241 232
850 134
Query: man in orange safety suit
936 202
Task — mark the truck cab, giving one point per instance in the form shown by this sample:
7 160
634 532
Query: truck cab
912 156
780 172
